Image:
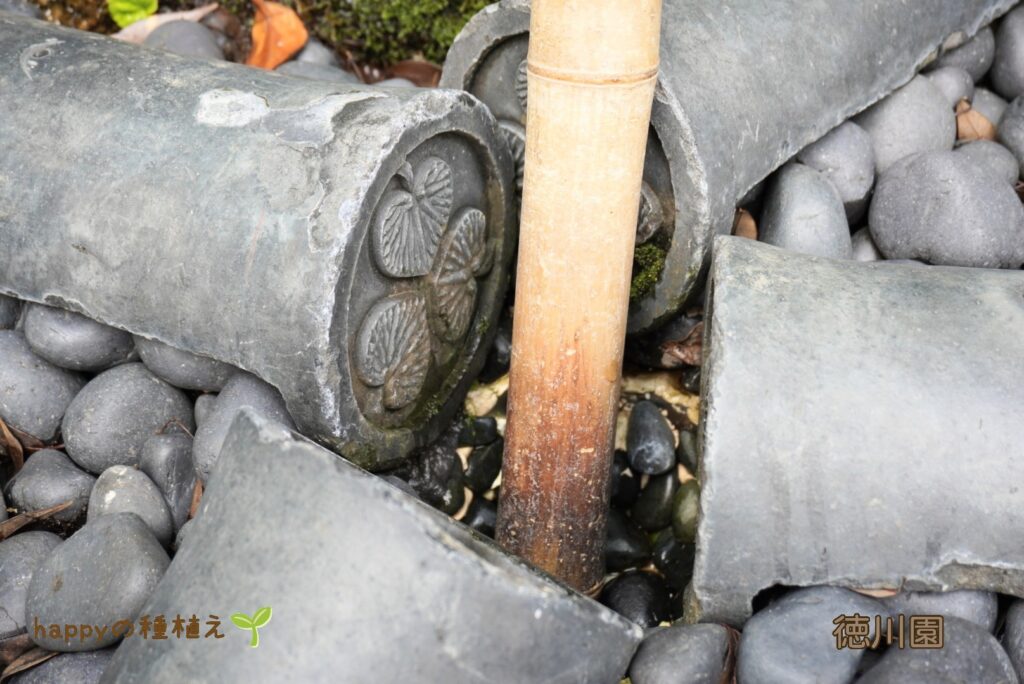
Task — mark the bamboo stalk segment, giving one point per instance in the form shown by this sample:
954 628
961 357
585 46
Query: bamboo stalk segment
591 74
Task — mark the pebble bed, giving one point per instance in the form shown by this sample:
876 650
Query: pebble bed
127 429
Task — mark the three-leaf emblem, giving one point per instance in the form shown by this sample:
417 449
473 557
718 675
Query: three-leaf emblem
260 618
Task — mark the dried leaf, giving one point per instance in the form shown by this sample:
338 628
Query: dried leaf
744 225
277 34
687 350
878 593
27 660
140 30
12 525
11 447
422 73
31 443
197 497
11 648
972 124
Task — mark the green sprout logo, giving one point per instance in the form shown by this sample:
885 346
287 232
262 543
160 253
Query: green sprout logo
259 619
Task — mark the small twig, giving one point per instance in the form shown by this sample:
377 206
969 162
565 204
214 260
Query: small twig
29 659
9 527
176 423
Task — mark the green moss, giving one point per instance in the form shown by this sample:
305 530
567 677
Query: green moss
385 31
432 407
648 260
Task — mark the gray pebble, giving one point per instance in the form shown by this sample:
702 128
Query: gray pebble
80 668
1013 636
316 52
803 213
979 607
974 56
73 341
846 158
989 105
1007 73
120 489
167 460
20 555
792 640
969 654
694 654
179 538
318 72
101 575
49 478
1011 129
650 446
947 210
241 390
915 118
864 248
993 155
35 392
954 83
183 369
187 38
10 310
203 408
114 415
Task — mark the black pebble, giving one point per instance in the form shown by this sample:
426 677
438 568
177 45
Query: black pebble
686 451
649 441
653 508
638 596
484 465
626 546
691 380
625 486
435 472
478 431
674 560
500 355
482 515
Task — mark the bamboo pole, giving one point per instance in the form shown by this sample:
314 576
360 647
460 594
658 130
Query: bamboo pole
591 73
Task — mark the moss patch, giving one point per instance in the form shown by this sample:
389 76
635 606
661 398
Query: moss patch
648 260
381 31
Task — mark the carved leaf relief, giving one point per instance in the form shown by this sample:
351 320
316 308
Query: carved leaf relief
515 136
463 256
394 348
409 221
520 84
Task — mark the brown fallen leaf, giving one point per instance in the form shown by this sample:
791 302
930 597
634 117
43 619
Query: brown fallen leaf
197 496
277 34
424 74
878 593
31 443
972 124
689 349
140 30
12 525
12 647
11 446
744 225
26 660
